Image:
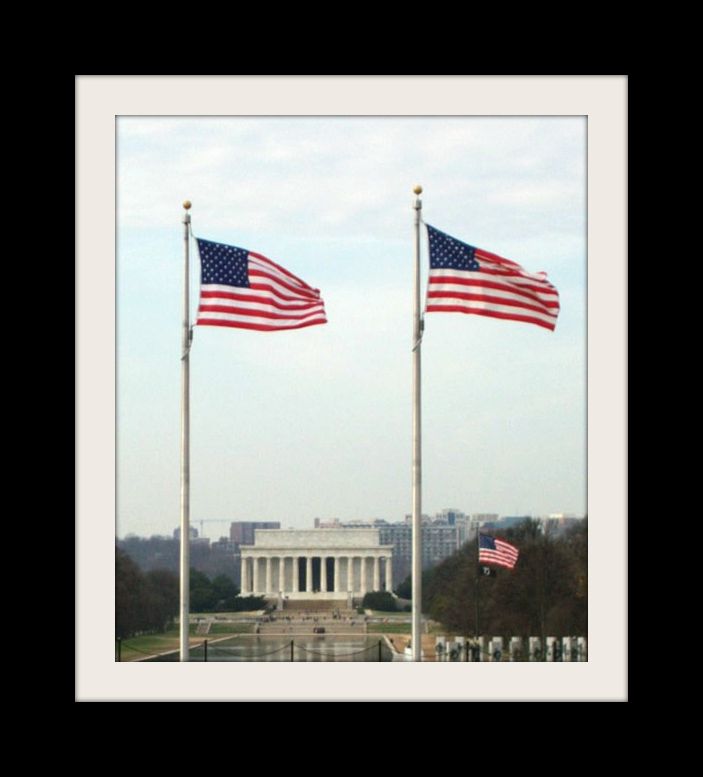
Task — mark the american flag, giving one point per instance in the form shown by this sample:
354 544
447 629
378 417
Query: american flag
491 550
239 288
465 279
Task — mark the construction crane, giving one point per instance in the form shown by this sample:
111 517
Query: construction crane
210 520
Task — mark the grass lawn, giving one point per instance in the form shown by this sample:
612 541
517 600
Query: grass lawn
392 614
389 628
134 648
232 628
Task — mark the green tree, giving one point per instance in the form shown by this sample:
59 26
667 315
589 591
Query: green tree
544 595
143 603
249 603
379 600
164 598
405 589
129 595
225 592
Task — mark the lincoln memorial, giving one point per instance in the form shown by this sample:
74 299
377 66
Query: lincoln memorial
316 564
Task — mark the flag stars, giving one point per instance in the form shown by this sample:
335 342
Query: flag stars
446 251
223 265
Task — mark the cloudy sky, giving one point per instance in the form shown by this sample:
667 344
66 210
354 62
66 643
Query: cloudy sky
312 423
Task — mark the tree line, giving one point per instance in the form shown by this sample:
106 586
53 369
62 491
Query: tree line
546 594
144 601
164 553
148 602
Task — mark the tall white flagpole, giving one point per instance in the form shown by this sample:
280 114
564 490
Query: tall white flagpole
185 450
417 450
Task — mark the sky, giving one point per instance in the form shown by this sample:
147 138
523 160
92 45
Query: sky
290 426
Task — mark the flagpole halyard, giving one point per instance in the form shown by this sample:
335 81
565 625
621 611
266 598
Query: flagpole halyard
417 449
185 450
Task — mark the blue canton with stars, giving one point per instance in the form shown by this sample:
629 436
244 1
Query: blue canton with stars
484 541
222 264
446 251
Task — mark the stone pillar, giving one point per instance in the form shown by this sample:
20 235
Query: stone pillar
255 576
376 573
582 648
269 575
362 575
389 573
350 573
566 649
535 648
282 574
460 646
323 573
549 650
243 576
308 574
296 574
515 648
495 649
337 576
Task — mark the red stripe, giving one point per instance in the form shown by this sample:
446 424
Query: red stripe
295 289
495 563
488 298
247 312
542 287
495 556
271 290
248 298
489 257
512 288
499 555
281 269
493 314
258 327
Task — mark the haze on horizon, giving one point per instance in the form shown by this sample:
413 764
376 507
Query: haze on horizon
290 426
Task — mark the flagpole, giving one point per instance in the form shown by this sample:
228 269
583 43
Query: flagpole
478 574
417 450
185 450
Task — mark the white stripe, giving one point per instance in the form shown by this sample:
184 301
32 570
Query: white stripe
277 322
516 273
263 303
278 289
489 306
260 294
259 264
449 288
536 277
498 553
546 289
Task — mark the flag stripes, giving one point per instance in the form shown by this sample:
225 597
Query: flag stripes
246 290
465 279
497 552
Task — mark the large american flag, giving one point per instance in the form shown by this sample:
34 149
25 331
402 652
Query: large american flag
497 552
465 279
239 288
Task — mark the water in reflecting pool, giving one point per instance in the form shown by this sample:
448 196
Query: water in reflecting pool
304 648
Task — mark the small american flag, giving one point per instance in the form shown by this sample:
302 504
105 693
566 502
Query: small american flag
465 279
239 288
491 550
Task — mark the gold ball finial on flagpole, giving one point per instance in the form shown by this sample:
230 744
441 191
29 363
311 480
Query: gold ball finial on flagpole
417 189
187 204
